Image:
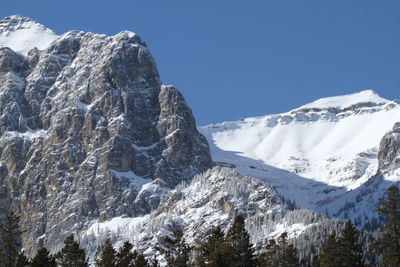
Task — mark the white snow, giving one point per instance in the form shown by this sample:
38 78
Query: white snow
30 134
116 224
293 230
22 34
134 179
83 106
345 101
144 148
312 157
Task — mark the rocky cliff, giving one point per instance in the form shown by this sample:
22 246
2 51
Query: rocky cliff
389 151
84 124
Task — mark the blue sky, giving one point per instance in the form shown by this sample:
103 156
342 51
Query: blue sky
235 59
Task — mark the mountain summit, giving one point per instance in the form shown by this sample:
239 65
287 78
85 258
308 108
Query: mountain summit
22 34
345 101
316 154
87 130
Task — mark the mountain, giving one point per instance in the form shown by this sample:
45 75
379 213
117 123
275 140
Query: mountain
319 155
212 199
93 143
87 130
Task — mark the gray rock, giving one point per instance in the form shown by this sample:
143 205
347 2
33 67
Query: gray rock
83 124
389 151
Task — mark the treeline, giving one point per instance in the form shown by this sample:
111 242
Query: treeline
233 249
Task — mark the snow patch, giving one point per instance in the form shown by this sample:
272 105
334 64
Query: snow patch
293 230
30 134
22 34
138 181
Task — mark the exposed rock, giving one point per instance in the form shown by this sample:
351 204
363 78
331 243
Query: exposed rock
389 151
83 125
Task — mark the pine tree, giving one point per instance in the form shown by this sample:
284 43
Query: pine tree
388 244
71 255
349 250
287 253
10 236
270 257
211 252
329 254
125 256
279 253
105 255
176 250
22 261
43 259
141 261
154 262
315 262
238 245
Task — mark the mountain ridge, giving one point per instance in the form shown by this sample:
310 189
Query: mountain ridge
93 143
328 151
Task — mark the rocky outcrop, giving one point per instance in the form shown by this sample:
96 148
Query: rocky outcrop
389 151
83 125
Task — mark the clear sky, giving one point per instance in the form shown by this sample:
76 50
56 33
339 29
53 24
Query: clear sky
234 59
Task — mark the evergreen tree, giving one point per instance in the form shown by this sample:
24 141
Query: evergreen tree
279 253
154 262
238 245
349 250
22 261
141 261
43 259
212 251
270 257
329 254
105 255
10 236
388 244
71 255
125 257
287 253
176 250
315 262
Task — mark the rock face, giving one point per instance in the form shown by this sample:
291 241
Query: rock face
389 151
212 199
83 125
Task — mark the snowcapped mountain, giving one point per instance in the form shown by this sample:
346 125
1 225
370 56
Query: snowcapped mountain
316 154
87 130
22 34
92 143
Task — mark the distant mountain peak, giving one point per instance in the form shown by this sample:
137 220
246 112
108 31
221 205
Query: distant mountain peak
22 34
344 101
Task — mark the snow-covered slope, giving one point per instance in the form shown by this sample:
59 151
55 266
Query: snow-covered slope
345 101
314 154
212 199
22 34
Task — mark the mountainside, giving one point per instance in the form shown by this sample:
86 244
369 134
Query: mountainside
92 143
321 154
212 199
84 124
